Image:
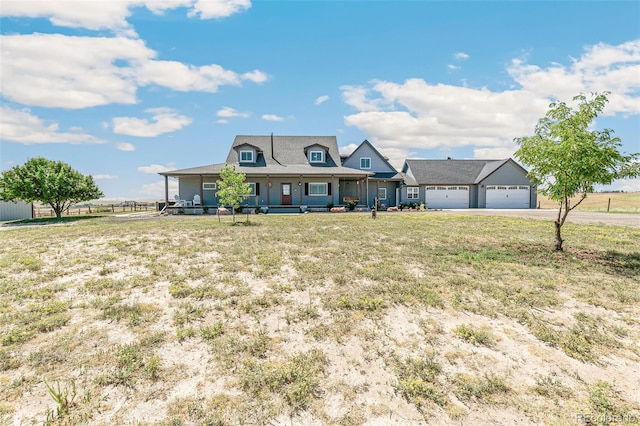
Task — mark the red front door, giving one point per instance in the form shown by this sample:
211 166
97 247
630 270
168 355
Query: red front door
286 194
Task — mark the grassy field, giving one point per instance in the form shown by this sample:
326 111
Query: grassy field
628 202
319 319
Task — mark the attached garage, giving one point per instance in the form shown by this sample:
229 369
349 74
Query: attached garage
508 197
462 184
447 197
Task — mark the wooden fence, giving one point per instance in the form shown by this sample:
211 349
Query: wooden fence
43 211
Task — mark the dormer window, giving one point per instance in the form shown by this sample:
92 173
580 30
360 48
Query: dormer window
246 156
316 156
365 163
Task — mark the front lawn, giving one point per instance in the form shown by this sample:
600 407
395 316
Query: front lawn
318 319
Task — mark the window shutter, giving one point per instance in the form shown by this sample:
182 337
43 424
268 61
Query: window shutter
257 188
306 189
329 188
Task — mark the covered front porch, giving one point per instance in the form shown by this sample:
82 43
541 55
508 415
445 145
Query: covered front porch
271 193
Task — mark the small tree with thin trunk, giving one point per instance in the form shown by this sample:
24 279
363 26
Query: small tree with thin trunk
51 182
232 189
567 157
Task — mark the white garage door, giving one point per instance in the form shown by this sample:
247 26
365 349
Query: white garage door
507 197
447 197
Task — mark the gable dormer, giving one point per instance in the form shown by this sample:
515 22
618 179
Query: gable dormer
316 154
366 157
247 154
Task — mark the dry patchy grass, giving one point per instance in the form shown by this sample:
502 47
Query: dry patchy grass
325 319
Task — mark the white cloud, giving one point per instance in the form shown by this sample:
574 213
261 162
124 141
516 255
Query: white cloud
347 150
104 176
222 121
54 70
165 120
272 117
461 56
156 168
184 78
602 68
23 127
92 15
498 153
356 96
156 189
322 99
112 15
231 112
255 76
415 114
206 9
125 146
420 115
453 67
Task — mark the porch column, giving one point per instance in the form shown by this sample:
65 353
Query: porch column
335 190
201 191
166 190
300 189
268 190
367 188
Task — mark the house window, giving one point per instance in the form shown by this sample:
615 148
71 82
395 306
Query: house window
209 186
246 156
253 188
317 189
365 163
430 188
413 193
316 157
382 193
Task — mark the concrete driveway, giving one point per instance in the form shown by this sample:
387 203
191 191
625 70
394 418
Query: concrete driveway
551 214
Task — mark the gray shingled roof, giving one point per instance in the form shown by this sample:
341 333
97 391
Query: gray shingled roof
448 172
287 158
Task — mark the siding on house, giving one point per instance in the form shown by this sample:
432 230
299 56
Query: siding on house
384 174
366 150
15 211
508 174
189 186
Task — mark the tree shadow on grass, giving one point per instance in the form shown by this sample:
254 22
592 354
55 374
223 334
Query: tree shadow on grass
611 261
49 220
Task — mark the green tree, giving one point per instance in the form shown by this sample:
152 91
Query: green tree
232 189
51 182
567 156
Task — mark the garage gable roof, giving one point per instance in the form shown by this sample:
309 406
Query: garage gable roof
445 172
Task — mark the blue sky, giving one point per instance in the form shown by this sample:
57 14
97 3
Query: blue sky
123 89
